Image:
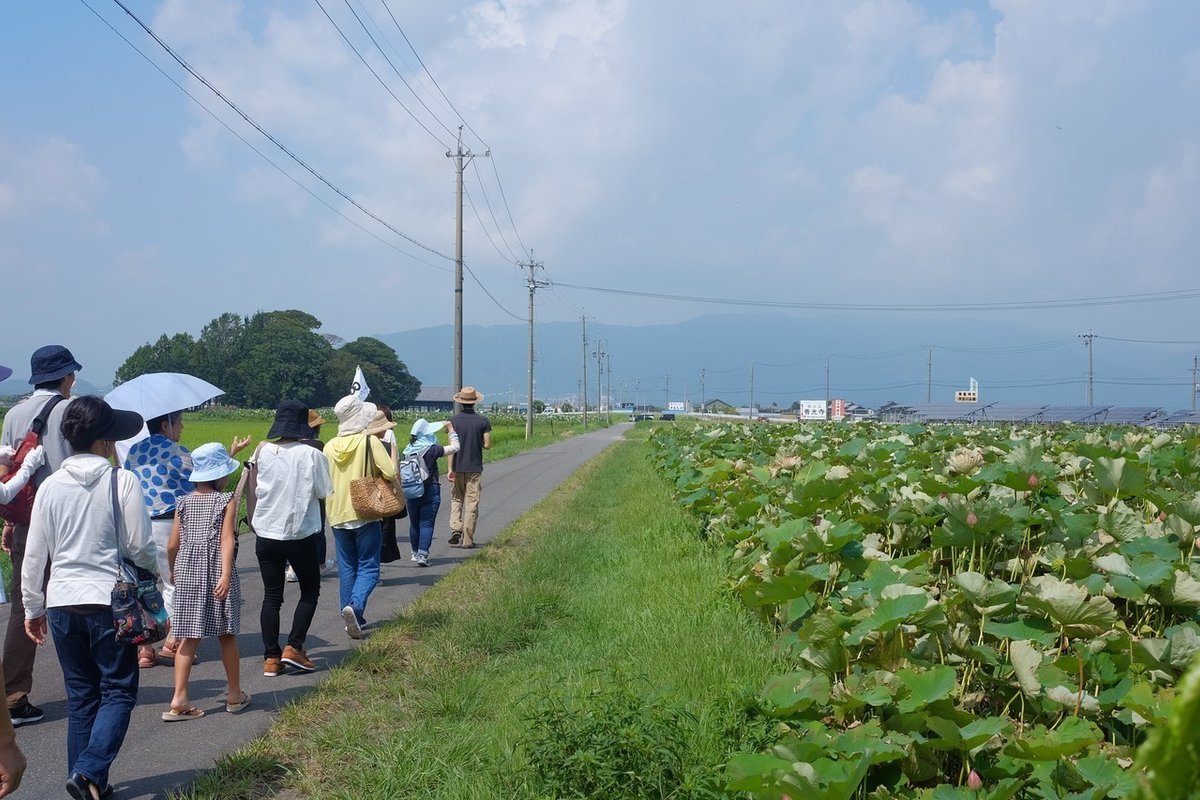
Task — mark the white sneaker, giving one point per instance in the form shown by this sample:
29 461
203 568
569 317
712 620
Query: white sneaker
422 560
351 620
290 575
327 568
413 557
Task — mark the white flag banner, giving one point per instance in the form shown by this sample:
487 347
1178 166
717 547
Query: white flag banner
359 387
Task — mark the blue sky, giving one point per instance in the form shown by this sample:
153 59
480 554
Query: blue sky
836 151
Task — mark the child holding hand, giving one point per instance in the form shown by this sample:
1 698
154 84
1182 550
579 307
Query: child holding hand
208 594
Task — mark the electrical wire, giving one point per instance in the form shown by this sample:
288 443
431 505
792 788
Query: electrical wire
399 75
483 228
1025 305
271 137
430 74
1148 341
492 211
260 153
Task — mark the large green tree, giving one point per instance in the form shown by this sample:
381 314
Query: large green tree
272 355
283 359
390 381
168 354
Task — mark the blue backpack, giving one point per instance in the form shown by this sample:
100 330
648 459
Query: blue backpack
413 474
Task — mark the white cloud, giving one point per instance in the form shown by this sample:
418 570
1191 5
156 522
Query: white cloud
50 175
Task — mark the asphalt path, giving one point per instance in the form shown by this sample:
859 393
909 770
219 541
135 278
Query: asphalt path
158 756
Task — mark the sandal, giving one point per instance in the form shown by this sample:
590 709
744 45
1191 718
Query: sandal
190 712
147 657
234 708
168 654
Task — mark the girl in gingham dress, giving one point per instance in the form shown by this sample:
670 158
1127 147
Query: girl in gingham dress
208 595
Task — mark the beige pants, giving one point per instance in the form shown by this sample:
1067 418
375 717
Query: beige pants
464 504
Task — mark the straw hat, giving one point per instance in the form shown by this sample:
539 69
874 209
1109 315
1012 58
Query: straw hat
468 396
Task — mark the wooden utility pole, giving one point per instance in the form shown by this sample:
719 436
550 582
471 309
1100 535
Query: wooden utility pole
533 283
461 158
583 394
1091 373
1195 366
929 378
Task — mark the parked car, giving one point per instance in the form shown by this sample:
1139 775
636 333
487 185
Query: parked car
667 416
642 417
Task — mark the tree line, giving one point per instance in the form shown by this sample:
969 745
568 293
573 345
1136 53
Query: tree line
262 359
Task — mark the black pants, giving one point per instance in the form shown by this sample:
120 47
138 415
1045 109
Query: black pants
273 557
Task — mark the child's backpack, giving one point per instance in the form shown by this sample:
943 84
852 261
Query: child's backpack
413 474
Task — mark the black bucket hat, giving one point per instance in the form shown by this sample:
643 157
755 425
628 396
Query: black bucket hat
291 421
50 363
5 372
115 425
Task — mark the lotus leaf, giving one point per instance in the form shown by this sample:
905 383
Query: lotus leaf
1072 697
1119 477
926 687
1073 735
1033 629
1181 589
987 596
887 616
788 694
1026 661
1069 606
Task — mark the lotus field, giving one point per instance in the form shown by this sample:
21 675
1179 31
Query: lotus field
966 612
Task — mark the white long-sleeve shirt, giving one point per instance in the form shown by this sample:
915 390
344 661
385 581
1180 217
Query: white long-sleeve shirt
72 530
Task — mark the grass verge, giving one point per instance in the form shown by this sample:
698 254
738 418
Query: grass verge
590 650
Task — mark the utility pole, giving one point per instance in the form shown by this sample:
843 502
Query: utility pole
751 388
703 373
929 378
1195 367
667 400
534 284
599 354
827 382
687 406
608 369
583 395
459 157
1091 373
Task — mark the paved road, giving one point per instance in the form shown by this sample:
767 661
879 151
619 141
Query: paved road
158 756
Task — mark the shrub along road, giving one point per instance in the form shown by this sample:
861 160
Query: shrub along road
158 756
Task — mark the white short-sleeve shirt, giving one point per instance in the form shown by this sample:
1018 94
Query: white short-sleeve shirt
292 478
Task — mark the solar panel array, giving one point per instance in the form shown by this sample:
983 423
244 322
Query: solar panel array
983 413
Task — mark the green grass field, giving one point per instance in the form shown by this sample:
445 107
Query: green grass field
592 650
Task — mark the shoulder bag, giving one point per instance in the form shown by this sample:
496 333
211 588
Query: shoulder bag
374 496
139 613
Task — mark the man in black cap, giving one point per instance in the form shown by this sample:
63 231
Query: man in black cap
53 371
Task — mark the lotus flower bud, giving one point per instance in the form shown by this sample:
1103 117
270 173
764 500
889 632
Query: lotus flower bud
972 519
974 782
1033 480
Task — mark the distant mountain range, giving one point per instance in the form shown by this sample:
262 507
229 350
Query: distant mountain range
871 363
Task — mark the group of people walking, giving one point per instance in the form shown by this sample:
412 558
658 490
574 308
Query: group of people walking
174 513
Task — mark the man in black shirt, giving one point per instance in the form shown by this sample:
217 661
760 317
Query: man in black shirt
464 469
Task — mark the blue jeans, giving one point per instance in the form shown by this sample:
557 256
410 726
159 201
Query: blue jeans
422 512
101 677
358 564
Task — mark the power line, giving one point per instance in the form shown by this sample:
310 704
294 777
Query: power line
492 211
450 103
258 152
271 137
491 241
1025 305
1148 341
390 64
430 74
